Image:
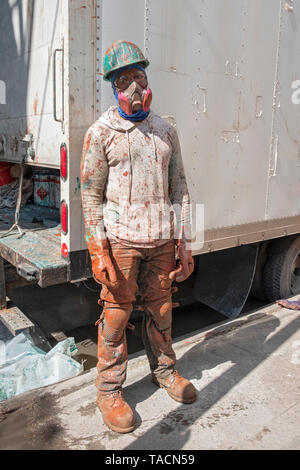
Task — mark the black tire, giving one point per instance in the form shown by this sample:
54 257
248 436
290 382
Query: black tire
281 273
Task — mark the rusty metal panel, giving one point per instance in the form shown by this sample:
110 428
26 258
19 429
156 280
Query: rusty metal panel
15 320
40 250
37 254
30 32
223 70
213 65
209 70
116 19
237 235
80 65
284 164
48 65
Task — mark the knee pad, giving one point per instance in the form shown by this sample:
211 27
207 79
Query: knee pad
115 321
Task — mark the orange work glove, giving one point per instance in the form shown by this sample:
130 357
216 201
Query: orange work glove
186 260
103 269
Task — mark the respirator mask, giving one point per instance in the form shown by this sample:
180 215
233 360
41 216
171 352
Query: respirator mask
132 93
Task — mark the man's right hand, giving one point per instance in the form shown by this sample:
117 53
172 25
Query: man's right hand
102 265
104 271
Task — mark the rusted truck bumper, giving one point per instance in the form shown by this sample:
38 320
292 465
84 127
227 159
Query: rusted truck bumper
36 256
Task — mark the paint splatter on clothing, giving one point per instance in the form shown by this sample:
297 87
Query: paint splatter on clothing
131 176
144 272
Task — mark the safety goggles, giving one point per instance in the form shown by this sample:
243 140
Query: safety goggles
123 81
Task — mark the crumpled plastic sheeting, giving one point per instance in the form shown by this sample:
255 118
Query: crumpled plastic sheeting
23 366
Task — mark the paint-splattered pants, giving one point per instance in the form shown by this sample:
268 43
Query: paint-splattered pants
144 271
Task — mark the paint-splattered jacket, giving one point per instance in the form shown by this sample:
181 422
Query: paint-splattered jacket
131 175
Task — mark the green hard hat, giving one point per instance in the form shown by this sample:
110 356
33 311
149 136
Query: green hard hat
120 54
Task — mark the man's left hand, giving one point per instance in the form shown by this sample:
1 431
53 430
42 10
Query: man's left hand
186 263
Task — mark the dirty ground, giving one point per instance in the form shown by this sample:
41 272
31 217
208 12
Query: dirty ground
246 372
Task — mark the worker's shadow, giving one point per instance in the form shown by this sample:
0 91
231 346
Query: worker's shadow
243 349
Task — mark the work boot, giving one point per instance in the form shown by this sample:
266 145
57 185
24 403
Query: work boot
178 388
116 413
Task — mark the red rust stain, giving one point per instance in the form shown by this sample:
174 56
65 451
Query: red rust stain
35 105
85 176
125 173
88 142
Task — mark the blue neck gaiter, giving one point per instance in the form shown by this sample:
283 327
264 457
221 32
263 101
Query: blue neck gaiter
139 115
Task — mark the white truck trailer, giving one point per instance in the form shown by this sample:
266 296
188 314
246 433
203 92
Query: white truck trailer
226 71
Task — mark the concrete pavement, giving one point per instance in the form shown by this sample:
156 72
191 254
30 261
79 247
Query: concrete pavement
246 372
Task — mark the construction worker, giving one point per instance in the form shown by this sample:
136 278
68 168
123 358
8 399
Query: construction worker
131 177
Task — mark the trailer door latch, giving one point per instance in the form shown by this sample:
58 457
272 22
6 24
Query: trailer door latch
27 271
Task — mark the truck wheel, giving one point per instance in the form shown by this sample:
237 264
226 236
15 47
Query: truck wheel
281 274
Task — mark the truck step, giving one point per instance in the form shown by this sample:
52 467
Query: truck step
15 320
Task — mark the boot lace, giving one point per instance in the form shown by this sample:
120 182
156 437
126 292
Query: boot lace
174 375
116 398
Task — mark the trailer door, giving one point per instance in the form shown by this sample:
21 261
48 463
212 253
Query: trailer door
283 195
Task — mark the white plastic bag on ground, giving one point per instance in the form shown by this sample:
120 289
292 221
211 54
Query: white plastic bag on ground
23 366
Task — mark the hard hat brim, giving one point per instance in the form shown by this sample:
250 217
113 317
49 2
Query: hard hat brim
107 76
